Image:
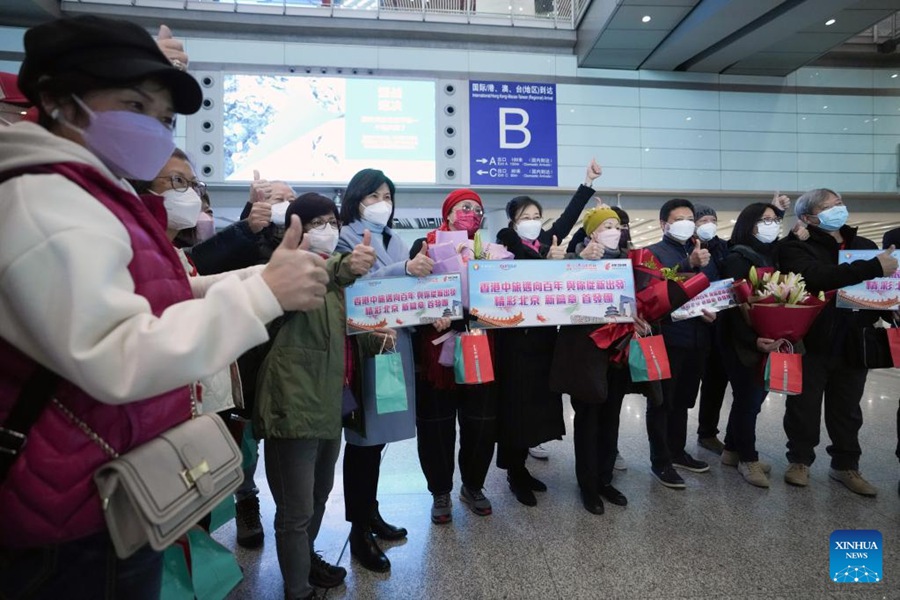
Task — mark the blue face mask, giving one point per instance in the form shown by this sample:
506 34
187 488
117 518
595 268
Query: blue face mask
834 218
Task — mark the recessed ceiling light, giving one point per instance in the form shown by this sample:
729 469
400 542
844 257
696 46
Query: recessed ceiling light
894 76
645 19
688 118
830 22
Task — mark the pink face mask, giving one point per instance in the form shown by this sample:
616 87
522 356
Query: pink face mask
609 238
206 227
467 221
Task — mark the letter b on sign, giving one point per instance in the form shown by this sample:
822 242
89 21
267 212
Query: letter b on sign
514 119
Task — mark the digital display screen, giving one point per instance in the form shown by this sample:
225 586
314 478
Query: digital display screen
325 129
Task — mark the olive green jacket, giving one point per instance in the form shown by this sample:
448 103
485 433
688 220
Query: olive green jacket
298 394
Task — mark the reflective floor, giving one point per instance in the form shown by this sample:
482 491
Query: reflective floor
720 538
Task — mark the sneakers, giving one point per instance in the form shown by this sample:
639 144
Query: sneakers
797 474
711 443
441 509
324 575
689 463
668 477
476 501
854 482
620 463
730 458
249 528
539 452
753 473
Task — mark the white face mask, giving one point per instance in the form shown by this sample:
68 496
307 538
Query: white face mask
378 213
767 233
680 230
529 230
707 231
182 208
608 237
279 212
323 239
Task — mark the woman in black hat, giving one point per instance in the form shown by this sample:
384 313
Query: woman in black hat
99 347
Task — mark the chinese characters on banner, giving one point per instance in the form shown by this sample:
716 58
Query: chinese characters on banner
530 293
402 302
718 296
882 293
512 133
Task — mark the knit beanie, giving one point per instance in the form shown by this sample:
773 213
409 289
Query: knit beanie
457 196
702 210
594 217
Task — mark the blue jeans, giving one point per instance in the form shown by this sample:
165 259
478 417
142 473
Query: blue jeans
82 569
300 475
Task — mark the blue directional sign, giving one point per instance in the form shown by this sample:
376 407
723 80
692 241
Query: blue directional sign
512 131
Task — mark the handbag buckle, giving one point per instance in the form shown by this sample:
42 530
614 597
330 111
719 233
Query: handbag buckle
190 476
11 442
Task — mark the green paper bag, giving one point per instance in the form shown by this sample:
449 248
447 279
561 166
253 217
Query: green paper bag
222 513
249 446
390 384
176 580
214 570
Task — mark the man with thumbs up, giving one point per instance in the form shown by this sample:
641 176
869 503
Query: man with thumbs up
688 342
831 364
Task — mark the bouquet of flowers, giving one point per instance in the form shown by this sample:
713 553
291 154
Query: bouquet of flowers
660 290
777 304
453 250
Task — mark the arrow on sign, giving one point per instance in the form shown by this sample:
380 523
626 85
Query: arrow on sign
481 160
480 172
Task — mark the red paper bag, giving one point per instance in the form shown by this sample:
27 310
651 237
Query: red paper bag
893 335
648 359
784 373
472 363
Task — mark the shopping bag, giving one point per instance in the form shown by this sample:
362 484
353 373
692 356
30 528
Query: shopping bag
176 579
472 359
648 359
222 513
214 569
893 336
249 446
784 372
390 383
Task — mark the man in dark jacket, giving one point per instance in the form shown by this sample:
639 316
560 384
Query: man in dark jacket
687 343
826 370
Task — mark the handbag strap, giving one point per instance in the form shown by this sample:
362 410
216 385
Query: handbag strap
33 398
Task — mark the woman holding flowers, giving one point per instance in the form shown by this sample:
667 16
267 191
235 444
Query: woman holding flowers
826 370
742 350
440 401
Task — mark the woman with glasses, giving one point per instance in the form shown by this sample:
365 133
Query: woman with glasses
440 402
753 242
530 413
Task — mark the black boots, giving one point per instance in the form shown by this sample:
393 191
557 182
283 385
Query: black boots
385 530
364 548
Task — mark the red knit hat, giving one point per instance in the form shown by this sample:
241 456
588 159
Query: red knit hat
457 196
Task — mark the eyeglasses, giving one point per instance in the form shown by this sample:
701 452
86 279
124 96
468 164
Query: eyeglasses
770 221
467 208
320 222
181 184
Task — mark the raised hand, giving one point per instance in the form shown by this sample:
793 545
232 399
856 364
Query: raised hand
260 215
172 48
700 256
421 265
594 171
781 201
888 262
556 252
260 189
296 277
363 256
593 251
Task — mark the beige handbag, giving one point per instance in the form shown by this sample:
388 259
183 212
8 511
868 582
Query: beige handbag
155 493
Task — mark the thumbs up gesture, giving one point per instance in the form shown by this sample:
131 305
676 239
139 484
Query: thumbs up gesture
363 256
172 49
594 171
700 256
888 262
556 252
297 278
593 251
260 189
421 264
781 201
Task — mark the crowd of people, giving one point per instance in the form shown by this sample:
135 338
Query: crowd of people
118 298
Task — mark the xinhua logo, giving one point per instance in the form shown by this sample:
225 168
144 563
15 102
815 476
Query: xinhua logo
856 556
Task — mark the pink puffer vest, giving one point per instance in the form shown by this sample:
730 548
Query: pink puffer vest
49 496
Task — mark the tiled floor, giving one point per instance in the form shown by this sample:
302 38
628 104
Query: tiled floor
721 538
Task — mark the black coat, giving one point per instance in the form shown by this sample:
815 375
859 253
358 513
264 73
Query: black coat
735 334
817 260
235 247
